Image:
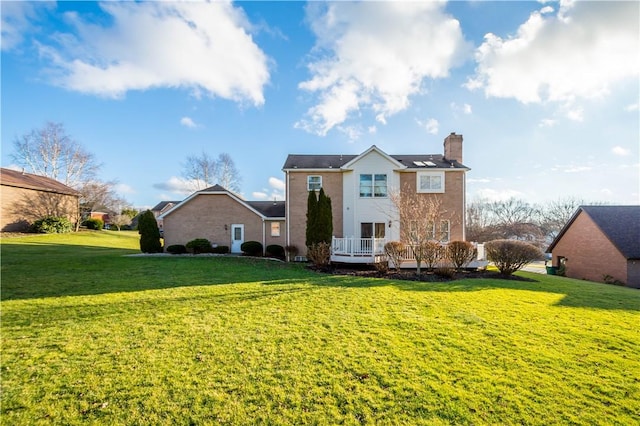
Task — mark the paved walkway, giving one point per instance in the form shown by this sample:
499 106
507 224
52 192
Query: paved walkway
537 267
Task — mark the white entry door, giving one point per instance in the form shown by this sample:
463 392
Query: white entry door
237 237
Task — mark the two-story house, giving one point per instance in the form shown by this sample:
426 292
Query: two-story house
362 189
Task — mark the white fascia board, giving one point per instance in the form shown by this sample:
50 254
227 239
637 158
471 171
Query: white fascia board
315 170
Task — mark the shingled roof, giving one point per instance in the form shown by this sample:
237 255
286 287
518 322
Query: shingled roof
270 209
18 179
620 224
420 161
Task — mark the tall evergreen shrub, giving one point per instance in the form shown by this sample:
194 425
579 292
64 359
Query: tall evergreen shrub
149 233
312 219
324 218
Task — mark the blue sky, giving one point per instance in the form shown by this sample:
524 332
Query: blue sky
546 94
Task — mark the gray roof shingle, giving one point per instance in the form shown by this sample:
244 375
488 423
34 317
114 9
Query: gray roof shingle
295 161
620 224
30 181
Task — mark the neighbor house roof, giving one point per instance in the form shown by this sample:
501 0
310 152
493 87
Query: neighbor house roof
413 162
18 179
162 205
620 224
266 209
270 209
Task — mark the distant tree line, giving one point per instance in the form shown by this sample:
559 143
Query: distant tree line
516 219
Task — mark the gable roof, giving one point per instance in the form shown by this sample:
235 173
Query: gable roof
269 209
411 162
162 205
18 179
264 209
620 224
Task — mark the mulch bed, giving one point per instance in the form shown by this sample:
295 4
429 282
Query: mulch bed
366 271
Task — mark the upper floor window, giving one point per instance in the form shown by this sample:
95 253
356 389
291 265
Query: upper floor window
314 183
373 186
430 181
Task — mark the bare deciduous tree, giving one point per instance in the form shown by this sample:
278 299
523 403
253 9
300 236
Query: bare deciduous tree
51 152
420 218
204 171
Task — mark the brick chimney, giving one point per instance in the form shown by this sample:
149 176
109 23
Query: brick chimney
453 147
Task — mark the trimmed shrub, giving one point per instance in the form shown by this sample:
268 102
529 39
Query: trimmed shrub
460 253
275 250
199 245
176 249
395 252
432 253
52 225
149 233
252 248
220 250
93 223
511 255
319 254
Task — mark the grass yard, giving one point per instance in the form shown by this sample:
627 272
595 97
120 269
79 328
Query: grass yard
90 336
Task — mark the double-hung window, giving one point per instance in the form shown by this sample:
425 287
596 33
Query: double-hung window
430 182
314 183
275 229
373 186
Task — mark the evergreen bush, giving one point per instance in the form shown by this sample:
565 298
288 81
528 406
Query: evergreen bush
252 248
199 245
94 223
176 249
149 233
220 249
275 250
52 225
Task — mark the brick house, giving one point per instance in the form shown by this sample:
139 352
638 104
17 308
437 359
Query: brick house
225 219
600 243
26 197
359 187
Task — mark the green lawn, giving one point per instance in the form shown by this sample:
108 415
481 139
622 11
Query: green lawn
90 336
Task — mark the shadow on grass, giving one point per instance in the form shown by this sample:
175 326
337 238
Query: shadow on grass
583 294
41 270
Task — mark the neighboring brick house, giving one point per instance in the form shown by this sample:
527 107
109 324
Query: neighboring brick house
600 243
160 208
359 188
26 197
225 219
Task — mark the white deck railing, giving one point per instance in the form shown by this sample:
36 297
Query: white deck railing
358 246
370 250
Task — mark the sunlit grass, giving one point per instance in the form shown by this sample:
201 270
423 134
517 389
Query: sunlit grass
91 336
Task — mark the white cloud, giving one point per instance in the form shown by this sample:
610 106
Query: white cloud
259 195
575 114
375 56
431 125
618 150
464 108
632 107
188 122
162 44
277 184
372 130
547 122
17 18
578 53
177 185
123 188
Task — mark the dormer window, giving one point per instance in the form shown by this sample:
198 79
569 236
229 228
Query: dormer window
373 186
314 183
